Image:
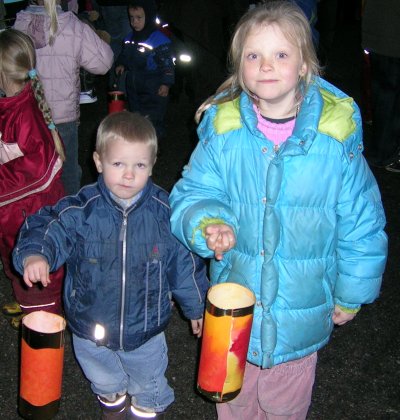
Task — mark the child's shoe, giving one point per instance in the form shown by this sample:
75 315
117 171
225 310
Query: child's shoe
88 97
11 309
135 413
113 410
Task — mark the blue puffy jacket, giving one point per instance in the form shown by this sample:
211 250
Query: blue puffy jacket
308 218
121 265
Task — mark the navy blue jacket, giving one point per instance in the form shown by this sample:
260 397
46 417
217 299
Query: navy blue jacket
121 265
150 61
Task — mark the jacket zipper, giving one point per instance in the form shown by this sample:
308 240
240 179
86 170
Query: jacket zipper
123 278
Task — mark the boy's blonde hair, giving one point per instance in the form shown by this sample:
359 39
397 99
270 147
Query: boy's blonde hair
128 126
294 25
17 66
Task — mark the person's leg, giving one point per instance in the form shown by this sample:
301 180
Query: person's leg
145 367
116 23
284 392
245 405
102 367
72 172
385 78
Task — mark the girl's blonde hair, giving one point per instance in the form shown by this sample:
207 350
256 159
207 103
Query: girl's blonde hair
51 9
17 65
129 126
294 25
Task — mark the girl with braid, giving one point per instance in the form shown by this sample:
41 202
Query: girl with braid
31 158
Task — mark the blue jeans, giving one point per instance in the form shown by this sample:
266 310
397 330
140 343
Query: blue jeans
139 373
72 172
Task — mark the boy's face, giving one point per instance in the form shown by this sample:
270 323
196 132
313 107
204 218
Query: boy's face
137 18
125 166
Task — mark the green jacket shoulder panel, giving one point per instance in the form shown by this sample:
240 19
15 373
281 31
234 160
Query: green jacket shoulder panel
336 118
227 117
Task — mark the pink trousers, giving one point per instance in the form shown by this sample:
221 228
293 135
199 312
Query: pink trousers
280 393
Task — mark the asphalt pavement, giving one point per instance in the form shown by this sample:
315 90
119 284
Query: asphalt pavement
358 372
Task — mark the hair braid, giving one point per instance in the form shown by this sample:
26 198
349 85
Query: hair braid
38 92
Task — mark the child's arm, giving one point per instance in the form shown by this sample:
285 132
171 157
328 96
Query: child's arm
200 198
36 269
188 283
97 56
362 242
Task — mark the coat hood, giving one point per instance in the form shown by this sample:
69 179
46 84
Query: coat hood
39 23
150 10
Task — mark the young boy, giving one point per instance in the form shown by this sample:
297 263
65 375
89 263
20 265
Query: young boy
122 266
148 59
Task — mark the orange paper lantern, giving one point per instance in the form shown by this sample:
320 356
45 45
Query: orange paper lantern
226 334
42 354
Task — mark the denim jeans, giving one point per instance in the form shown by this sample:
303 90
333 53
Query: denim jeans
72 172
140 373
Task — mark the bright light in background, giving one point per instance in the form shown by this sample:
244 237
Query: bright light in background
185 58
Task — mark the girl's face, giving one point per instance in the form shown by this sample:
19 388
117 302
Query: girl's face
272 66
125 166
137 18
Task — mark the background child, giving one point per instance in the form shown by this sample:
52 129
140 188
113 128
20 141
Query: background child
147 57
278 192
122 264
30 164
64 44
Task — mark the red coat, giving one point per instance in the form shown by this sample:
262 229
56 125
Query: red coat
30 171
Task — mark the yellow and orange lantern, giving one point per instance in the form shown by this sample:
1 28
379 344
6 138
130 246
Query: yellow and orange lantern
42 355
226 334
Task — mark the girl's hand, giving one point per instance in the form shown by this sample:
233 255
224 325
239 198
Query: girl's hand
220 238
163 90
340 317
197 326
36 269
119 69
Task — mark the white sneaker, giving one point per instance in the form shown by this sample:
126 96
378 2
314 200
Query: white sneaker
87 97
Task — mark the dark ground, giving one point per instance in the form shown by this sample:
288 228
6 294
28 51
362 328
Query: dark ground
358 373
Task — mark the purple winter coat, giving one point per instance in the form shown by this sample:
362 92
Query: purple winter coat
76 45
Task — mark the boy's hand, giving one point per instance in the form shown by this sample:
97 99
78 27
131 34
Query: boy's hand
163 90
340 317
36 269
197 326
219 238
119 69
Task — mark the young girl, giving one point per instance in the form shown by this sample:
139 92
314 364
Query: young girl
278 192
31 157
64 44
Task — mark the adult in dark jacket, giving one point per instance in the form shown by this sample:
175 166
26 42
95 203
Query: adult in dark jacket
148 59
381 37
123 264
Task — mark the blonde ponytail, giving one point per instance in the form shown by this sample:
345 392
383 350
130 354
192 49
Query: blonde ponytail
51 9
